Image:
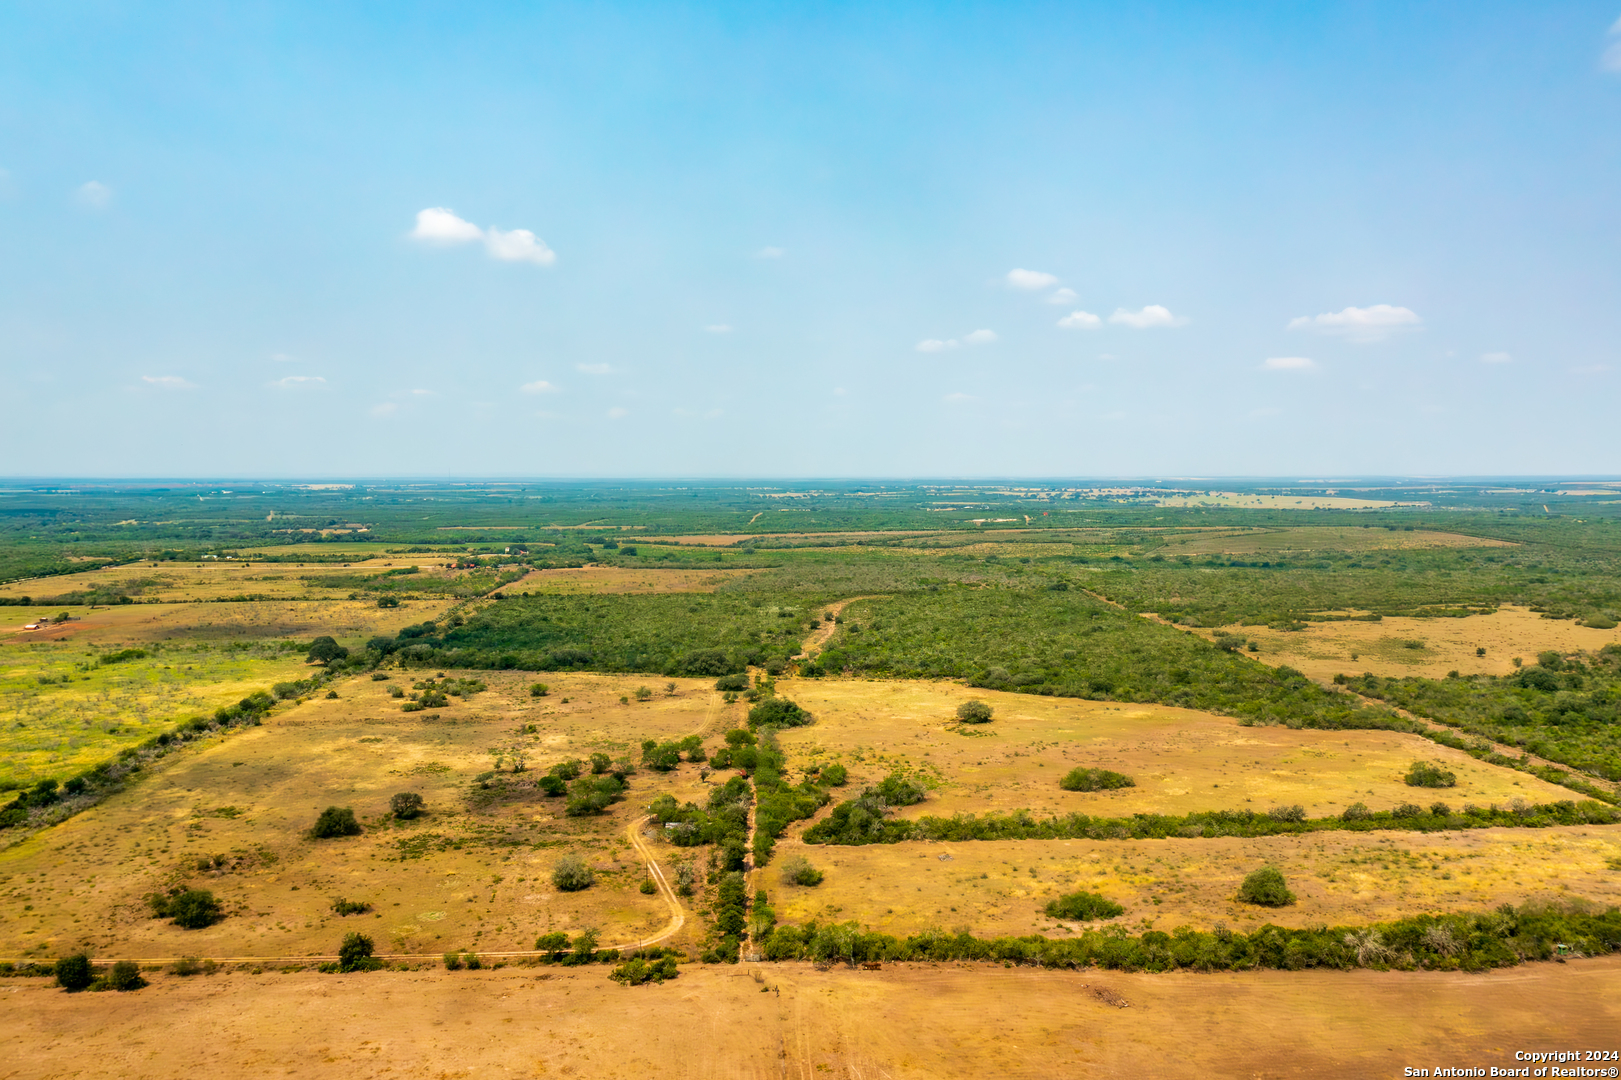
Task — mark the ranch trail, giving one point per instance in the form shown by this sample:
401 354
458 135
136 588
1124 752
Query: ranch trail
678 917
819 637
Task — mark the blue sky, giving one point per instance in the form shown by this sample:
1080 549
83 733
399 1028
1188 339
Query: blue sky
824 240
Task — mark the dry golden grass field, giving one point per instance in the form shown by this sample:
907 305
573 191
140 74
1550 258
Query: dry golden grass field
617 579
1424 647
131 625
1320 538
464 876
905 1022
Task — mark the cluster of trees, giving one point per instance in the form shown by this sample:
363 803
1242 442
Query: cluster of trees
647 965
1430 774
1467 942
75 973
335 821
1083 779
588 793
1564 707
190 909
665 756
863 821
1083 907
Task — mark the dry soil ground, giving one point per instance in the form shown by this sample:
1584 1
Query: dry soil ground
1324 649
906 1022
465 876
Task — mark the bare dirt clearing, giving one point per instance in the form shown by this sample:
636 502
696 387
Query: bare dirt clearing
906 1021
1183 761
473 873
1322 538
1424 647
616 579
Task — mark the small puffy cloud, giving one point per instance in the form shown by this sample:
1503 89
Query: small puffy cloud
593 369
1359 324
1151 316
1030 280
770 253
94 194
441 226
1496 358
1080 320
617 413
976 337
282 358
519 245
539 386
979 337
387 408
1063 296
718 328
294 382
936 345
168 382
1288 363
958 396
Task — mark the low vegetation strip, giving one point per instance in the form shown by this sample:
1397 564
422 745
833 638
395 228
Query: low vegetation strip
863 821
1505 937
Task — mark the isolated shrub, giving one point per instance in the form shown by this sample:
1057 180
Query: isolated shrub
974 711
738 682
648 887
1430 774
539 689
342 907
778 712
355 952
571 874
797 870
1267 888
193 908
73 973
1079 779
124 976
335 821
1081 906
406 805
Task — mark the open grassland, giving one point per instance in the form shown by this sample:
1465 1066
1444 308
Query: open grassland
1183 761
618 579
63 711
1246 501
133 625
908 1022
472 873
1000 887
1320 538
1424 647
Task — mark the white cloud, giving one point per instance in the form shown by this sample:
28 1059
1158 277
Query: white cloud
1496 358
168 382
1080 320
421 393
282 358
1030 280
1359 324
593 369
979 337
1063 296
1288 363
387 408
958 396
936 345
617 413
770 253
519 245
292 382
441 226
539 386
976 337
1150 316
718 328
94 194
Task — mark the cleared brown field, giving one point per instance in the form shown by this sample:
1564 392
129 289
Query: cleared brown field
617 579
999 887
1325 649
214 578
350 621
465 876
904 1022
1321 538
1183 761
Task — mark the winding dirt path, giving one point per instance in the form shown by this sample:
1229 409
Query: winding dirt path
678 917
824 633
